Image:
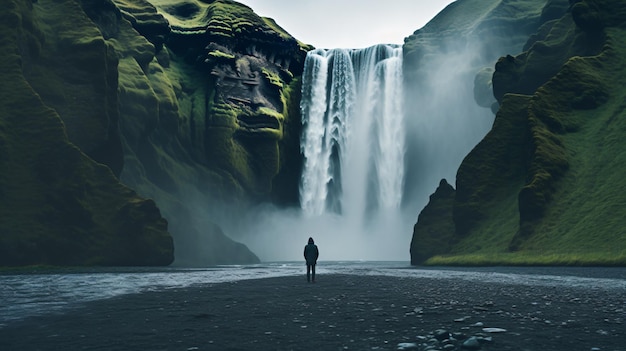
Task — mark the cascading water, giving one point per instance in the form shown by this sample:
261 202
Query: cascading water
353 131
371 160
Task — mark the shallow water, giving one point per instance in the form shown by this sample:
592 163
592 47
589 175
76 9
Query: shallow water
24 294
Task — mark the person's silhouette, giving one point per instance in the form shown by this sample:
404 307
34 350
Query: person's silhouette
311 253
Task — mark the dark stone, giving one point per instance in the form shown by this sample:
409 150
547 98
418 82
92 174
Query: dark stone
587 16
441 334
483 90
471 343
434 231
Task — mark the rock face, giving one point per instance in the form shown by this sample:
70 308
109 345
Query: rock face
448 69
434 231
193 104
208 120
233 76
61 201
543 180
448 65
480 31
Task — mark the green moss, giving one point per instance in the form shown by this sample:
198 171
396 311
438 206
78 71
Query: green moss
554 111
224 115
59 206
558 110
587 16
546 53
276 28
493 171
249 156
531 259
582 213
271 112
229 18
285 187
272 77
244 159
494 233
219 54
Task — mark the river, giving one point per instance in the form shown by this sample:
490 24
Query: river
25 293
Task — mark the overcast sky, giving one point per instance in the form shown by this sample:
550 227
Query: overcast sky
350 24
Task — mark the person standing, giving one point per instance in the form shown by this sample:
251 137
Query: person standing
311 253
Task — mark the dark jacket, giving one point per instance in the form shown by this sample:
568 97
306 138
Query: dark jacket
311 253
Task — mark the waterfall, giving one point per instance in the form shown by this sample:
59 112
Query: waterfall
370 159
353 139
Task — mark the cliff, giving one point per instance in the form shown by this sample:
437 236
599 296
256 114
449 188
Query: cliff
448 65
61 205
187 103
542 186
208 120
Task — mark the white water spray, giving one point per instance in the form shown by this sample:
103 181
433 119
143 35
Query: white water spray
353 131
371 160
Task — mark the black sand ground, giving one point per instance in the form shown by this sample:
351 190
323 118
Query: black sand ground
339 312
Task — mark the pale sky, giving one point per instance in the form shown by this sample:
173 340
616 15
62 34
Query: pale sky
350 24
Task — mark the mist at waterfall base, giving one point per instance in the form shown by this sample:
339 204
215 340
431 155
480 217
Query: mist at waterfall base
374 150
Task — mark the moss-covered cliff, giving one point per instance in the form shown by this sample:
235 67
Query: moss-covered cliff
448 65
60 202
207 120
190 103
545 185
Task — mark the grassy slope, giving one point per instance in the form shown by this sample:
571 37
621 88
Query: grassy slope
489 179
581 223
463 22
570 207
586 214
507 24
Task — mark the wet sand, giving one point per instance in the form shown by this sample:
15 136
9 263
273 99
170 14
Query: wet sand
338 312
